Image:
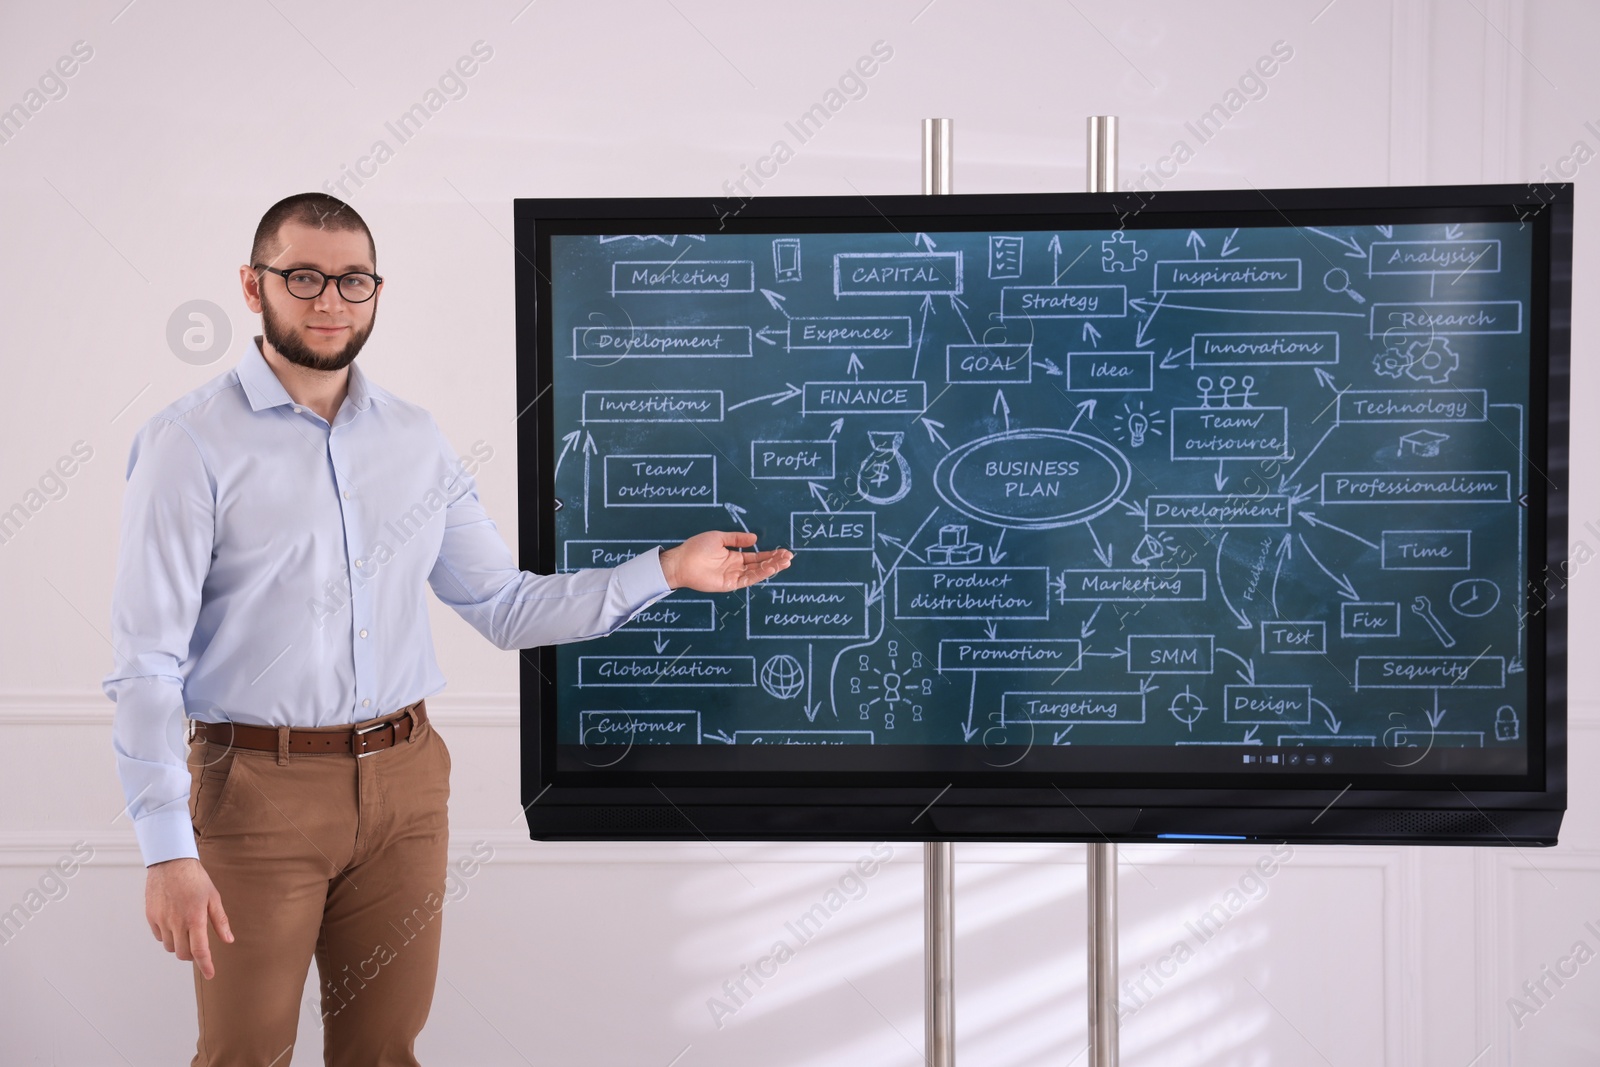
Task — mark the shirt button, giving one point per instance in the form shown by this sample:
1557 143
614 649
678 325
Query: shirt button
347 494
297 409
363 633
366 703
359 562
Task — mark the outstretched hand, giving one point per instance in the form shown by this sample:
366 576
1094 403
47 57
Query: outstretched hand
711 562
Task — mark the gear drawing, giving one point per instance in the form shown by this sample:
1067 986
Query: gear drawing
1433 361
1391 364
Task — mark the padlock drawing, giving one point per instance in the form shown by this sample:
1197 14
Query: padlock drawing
1506 726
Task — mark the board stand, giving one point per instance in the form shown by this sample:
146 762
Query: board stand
938 857
1101 869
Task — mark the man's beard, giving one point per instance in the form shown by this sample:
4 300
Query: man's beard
291 348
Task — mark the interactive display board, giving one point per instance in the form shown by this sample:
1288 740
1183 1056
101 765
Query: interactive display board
1204 493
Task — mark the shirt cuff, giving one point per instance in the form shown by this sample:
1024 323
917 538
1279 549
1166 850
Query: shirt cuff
166 835
641 581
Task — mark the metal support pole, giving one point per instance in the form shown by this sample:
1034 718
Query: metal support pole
938 857
937 140
1102 857
1102 154
1102 955
938 948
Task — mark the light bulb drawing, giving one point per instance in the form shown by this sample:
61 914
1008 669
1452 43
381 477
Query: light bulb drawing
1134 425
1138 426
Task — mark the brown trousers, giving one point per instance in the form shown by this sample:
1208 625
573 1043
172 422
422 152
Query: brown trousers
325 856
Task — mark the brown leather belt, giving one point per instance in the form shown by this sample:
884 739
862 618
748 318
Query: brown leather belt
362 739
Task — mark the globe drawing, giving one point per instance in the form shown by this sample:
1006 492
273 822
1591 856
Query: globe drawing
783 677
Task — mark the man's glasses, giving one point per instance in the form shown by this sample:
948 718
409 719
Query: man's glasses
356 287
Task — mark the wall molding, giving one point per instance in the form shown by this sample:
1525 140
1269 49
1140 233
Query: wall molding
1409 26
1503 78
113 848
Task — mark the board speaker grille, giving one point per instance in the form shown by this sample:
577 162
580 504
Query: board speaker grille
1438 822
649 818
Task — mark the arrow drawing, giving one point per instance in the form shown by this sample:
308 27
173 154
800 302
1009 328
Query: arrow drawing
1248 675
1285 551
1170 360
1311 517
1333 723
589 452
1436 716
956 304
1141 304
1102 553
810 708
570 443
1085 410
967 729
776 300
927 308
884 581
777 398
1346 590
1244 620
1291 475
995 555
822 496
905 549
1088 624
1138 337
1348 242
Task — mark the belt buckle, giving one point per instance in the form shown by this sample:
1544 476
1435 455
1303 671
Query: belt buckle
360 731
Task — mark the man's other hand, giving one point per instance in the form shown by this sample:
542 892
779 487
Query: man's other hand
711 562
178 900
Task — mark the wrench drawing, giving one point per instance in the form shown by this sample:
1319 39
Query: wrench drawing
1421 607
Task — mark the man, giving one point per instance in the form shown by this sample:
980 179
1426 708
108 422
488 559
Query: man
259 603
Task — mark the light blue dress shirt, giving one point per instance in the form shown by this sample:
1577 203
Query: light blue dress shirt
271 572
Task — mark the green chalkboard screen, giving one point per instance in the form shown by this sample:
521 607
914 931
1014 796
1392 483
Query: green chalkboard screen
1228 492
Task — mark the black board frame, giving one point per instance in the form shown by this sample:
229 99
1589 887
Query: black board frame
938 803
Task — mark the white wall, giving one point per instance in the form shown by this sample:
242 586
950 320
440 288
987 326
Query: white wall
139 190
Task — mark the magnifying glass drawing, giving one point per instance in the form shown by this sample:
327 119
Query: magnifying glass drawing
1337 280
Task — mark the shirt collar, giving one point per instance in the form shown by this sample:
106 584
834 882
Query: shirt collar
263 389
